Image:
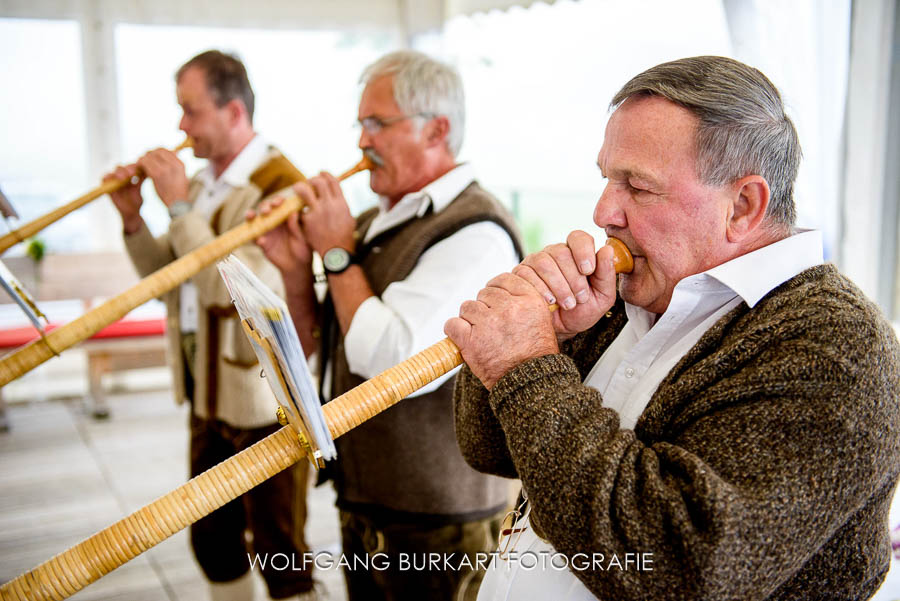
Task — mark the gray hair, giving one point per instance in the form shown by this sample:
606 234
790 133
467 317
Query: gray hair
743 128
423 85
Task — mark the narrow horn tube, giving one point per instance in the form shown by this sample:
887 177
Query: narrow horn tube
32 227
164 279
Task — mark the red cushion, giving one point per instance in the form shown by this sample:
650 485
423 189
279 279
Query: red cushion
125 328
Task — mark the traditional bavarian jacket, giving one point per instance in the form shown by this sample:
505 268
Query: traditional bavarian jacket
404 463
763 466
227 383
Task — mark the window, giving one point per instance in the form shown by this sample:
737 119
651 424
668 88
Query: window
305 85
43 160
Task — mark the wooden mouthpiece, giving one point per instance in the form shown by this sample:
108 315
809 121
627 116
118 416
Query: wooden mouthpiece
364 165
623 262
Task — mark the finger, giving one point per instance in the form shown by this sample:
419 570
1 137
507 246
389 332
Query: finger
459 331
150 165
305 192
249 215
512 284
581 244
528 274
320 185
334 186
603 280
548 269
267 206
577 281
472 311
293 225
120 173
493 296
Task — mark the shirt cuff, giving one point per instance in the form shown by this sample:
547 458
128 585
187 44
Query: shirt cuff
364 335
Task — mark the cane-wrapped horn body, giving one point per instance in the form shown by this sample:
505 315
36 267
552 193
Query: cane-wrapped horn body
72 570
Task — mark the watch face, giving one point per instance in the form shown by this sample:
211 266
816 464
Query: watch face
336 260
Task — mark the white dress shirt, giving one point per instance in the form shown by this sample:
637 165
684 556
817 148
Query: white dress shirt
632 367
213 193
410 314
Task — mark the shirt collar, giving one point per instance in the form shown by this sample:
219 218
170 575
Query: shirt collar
438 193
755 274
242 167
750 276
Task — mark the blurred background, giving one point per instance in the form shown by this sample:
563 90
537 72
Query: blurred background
89 84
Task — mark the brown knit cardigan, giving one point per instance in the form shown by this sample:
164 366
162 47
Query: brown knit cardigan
762 468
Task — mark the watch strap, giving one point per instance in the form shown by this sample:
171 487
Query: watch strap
179 208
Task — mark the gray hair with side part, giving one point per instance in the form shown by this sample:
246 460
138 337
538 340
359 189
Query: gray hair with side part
743 128
423 85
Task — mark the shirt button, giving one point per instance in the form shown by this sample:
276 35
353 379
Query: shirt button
629 373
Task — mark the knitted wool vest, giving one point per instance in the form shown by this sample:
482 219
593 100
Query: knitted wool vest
406 460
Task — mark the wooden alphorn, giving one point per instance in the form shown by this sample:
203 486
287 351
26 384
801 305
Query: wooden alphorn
89 560
33 227
54 342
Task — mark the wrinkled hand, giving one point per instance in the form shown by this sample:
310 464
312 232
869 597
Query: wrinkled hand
167 172
573 275
128 199
326 219
285 246
508 324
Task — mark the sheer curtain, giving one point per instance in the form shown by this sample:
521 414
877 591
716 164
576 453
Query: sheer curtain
803 46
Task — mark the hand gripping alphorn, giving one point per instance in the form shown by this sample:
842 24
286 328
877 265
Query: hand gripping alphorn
54 342
32 227
89 560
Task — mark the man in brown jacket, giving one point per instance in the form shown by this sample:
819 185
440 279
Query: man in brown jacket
214 367
729 428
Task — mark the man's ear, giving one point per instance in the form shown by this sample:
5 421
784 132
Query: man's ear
750 201
236 110
437 130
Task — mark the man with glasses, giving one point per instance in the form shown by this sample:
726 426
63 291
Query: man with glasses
394 273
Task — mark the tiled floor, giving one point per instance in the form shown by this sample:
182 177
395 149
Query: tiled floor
66 476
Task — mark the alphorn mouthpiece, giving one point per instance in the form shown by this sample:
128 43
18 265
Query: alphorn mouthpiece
623 262
363 165
188 143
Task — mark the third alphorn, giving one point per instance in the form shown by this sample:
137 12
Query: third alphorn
157 283
32 227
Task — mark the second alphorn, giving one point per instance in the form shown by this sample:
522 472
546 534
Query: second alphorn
32 227
157 283
89 560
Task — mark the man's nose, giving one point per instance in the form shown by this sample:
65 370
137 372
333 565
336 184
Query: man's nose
608 211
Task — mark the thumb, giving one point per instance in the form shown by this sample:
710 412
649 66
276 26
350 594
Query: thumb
459 331
603 280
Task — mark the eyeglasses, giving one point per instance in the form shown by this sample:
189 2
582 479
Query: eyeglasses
373 125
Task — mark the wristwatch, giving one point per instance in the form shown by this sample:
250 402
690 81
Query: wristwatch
179 208
337 260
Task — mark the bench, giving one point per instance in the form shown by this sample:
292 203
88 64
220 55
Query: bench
65 287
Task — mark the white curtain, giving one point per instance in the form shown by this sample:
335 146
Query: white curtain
803 46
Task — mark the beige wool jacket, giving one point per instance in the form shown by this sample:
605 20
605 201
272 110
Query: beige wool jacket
762 468
227 371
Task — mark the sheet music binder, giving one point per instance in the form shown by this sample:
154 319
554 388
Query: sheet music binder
271 332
